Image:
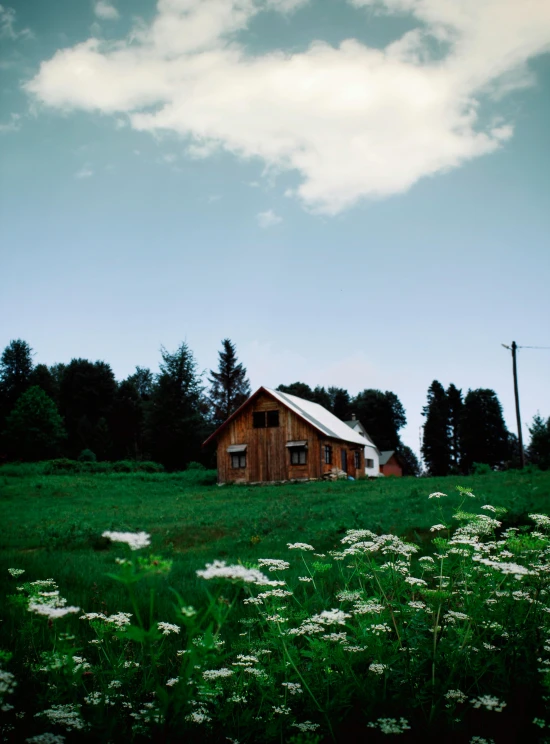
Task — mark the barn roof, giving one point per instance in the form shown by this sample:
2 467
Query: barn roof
385 456
321 419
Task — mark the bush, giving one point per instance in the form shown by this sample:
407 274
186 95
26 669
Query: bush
61 465
87 456
481 468
195 466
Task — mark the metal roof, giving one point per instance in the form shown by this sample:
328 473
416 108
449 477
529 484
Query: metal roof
323 420
385 456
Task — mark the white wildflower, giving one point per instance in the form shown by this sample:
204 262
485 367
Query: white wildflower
16 571
295 688
378 668
167 628
304 578
437 528
66 715
331 617
135 540
173 681
46 739
281 709
457 695
220 570
49 611
415 582
489 703
306 726
437 495
273 564
391 725
488 507
299 546
217 673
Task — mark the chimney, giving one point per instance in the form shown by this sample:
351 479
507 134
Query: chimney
353 417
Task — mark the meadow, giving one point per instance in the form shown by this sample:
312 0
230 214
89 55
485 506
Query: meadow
368 632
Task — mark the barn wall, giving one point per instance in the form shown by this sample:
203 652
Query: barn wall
268 458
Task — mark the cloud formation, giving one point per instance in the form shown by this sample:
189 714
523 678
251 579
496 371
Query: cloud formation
84 172
104 10
268 219
7 26
352 121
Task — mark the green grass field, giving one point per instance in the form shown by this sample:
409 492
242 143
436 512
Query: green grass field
51 524
495 625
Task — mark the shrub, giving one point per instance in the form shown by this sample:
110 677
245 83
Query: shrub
87 456
195 466
481 468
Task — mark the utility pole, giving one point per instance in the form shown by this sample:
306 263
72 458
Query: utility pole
513 349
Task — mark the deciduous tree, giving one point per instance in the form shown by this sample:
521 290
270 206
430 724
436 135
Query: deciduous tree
34 429
382 415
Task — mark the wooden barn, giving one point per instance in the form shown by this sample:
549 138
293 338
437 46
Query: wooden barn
274 436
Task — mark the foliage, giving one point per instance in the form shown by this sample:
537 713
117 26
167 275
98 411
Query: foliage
230 385
483 433
409 460
454 402
444 641
87 456
382 415
176 421
34 429
299 389
86 398
539 446
436 443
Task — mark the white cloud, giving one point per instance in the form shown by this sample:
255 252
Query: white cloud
105 10
7 26
13 125
352 121
84 172
267 219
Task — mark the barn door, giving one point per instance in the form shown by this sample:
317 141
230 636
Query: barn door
344 454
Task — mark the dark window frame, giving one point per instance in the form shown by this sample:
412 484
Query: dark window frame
240 459
357 459
265 419
369 463
327 454
298 455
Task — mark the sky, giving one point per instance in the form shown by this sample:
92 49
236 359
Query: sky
356 192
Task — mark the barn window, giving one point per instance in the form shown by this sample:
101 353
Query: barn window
328 454
298 455
357 458
272 418
238 460
261 419
369 463
258 419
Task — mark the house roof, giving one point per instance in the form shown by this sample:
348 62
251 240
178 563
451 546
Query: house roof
321 419
367 438
385 456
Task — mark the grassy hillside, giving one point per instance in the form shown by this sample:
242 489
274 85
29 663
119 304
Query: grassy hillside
50 522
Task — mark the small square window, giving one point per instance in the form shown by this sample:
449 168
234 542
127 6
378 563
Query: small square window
272 418
369 463
238 461
298 455
328 454
258 419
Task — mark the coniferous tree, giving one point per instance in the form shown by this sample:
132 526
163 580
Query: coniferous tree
436 443
230 385
409 460
175 421
44 379
454 401
16 366
539 445
483 433
321 397
34 429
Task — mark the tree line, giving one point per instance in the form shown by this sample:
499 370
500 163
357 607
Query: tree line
79 409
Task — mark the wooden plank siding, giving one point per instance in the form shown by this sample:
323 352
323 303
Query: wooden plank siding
268 457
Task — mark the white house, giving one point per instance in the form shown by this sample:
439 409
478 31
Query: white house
372 453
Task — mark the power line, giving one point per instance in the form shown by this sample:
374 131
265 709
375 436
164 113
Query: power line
532 347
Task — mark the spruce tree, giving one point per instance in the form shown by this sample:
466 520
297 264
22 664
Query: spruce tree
483 433
454 401
539 446
175 419
230 386
436 444
16 367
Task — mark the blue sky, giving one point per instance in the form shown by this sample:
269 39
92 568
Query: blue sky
356 193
